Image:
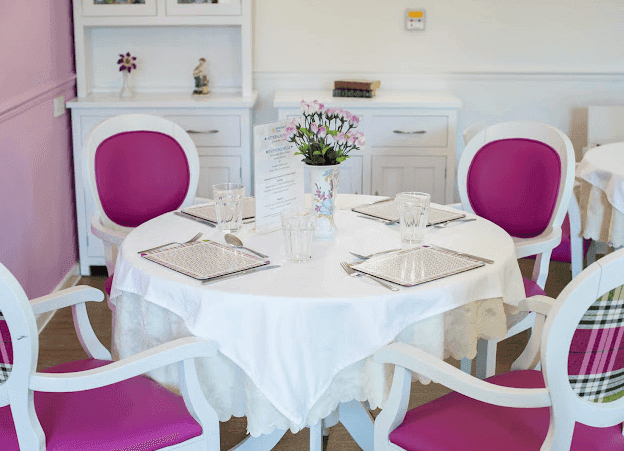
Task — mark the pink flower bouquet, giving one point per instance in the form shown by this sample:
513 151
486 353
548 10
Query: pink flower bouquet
324 136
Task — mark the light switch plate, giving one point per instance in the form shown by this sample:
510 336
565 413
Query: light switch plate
59 106
415 19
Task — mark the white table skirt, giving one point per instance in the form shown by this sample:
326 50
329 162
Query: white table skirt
602 194
296 341
142 325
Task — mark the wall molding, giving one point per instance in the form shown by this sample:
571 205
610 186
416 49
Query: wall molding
324 79
33 97
70 280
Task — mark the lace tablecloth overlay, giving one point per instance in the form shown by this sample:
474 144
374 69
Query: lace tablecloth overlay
602 193
298 340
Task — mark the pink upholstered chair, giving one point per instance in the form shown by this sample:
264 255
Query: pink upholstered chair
94 404
519 175
137 167
575 403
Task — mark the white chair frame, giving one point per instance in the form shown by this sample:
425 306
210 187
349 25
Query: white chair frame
18 390
111 233
541 245
550 342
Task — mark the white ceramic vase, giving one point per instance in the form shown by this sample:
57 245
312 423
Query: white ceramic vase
126 92
324 188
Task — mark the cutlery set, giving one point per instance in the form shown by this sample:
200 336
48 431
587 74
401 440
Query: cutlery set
235 242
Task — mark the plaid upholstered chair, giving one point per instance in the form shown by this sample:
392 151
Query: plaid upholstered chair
575 403
94 404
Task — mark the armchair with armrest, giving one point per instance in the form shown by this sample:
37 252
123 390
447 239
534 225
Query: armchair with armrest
95 404
575 403
519 175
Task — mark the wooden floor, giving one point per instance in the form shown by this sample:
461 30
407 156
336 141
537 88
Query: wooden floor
58 344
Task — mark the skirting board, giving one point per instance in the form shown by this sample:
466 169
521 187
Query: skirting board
71 279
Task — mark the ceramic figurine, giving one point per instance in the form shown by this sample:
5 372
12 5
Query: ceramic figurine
201 79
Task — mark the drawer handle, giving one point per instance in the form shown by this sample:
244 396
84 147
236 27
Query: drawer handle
417 132
199 132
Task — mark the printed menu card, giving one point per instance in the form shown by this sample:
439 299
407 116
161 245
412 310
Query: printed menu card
278 175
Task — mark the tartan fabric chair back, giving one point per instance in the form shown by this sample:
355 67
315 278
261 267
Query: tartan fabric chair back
582 347
596 360
6 350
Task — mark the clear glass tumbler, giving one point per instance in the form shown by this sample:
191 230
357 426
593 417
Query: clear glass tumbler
229 199
298 226
413 213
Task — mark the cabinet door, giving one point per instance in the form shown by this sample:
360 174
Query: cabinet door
118 8
203 7
396 174
218 169
350 176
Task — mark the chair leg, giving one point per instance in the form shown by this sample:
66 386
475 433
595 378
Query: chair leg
465 365
486 358
540 268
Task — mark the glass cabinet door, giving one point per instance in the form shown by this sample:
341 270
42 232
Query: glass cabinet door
203 7
118 7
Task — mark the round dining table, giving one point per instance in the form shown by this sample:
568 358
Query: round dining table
296 342
602 193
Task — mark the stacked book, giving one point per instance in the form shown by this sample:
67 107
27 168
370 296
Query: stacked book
356 88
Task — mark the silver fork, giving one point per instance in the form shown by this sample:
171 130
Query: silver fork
353 273
195 238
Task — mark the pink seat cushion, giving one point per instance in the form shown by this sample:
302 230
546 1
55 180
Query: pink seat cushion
108 283
456 422
531 288
136 414
140 175
514 183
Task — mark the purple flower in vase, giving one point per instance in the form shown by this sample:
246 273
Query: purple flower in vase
322 131
290 131
351 139
355 120
341 138
305 107
126 62
314 128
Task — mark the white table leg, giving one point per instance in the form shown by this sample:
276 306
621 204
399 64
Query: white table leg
265 442
358 422
316 436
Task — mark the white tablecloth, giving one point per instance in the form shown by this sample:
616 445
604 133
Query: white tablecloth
296 341
602 193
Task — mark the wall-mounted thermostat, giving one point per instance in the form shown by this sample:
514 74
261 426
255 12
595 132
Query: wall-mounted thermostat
415 19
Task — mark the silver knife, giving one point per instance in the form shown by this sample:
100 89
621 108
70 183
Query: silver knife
240 273
474 257
203 221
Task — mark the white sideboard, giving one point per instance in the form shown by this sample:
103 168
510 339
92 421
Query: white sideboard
410 141
168 37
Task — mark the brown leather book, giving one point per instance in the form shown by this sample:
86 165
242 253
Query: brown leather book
367 85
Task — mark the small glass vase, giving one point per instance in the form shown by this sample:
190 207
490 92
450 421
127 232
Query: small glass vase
324 188
126 91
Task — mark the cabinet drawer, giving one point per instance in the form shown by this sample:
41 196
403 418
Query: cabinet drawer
211 131
409 131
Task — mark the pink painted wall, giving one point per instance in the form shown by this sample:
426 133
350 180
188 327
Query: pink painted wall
38 241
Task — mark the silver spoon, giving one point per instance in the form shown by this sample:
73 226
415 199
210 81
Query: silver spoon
234 241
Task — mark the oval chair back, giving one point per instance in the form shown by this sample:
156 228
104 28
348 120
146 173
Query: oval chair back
582 351
139 166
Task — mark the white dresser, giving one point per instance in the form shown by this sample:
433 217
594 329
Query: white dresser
410 141
168 37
